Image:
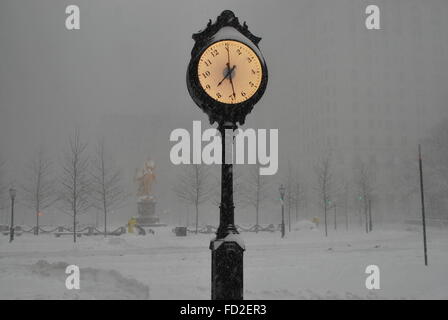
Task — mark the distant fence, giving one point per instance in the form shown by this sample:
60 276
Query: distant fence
88 230
433 222
254 228
93 231
257 228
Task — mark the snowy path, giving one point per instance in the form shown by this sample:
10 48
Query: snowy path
305 265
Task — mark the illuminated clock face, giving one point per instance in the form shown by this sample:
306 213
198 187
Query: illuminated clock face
229 72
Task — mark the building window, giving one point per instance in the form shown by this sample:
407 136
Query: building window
340 158
356 140
335 141
403 140
389 141
356 160
388 124
390 201
372 160
379 124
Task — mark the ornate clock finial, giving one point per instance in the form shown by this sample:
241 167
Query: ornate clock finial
227 16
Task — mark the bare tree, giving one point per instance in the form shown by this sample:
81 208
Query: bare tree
325 185
255 191
194 187
2 187
107 188
38 188
290 193
337 202
344 203
298 195
75 190
364 189
295 196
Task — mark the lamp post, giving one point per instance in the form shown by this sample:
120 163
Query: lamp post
422 197
282 198
12 194
226 77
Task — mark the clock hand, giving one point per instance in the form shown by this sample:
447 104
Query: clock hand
231 82
229 72
219 83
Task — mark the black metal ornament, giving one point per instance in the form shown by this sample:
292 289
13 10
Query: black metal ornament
226 27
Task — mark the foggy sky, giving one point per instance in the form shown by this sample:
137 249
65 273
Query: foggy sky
122 76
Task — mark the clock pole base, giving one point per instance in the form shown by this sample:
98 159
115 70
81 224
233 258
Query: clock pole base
227 268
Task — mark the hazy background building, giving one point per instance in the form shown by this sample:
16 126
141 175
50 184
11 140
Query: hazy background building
333 84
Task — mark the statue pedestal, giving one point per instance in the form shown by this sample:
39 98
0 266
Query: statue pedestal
147 213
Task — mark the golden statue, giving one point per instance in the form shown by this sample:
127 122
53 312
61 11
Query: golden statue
145 178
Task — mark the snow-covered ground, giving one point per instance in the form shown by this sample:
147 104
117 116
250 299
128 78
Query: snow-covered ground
304 265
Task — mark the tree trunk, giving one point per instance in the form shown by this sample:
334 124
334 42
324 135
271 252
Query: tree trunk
97 218
37 220
104 191
256 219
325 220
335 221
197 218
360 216
105 223
75 196
38 198
367 219
289 218
346 218
74 226
297 212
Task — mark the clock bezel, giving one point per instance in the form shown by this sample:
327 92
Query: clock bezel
253 92
218 111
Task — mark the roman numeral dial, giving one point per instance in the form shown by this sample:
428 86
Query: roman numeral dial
229 72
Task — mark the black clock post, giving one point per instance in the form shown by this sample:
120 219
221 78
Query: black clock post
227 248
